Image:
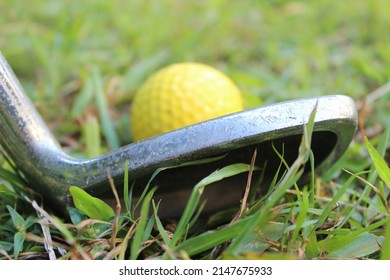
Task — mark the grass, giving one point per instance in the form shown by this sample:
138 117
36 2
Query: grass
87 60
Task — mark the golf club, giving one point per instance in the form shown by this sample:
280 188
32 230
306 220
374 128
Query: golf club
27 140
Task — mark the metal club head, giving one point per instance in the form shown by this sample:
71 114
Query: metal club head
27 140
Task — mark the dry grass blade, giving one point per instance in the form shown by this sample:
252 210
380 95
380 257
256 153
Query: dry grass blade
244 201
375 189
118 209
79 251
4 253
42 240
48 242
375 95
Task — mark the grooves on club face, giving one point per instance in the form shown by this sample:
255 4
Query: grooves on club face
36 153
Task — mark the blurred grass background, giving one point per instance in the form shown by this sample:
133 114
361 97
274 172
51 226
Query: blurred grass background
273 50
68 53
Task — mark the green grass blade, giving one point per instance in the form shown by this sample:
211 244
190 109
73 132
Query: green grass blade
83 99
386 246
379 163
141 229
76 216
352 246
261 239
210 239
19 238
93 207
17 219
311 249
160 226
145 190
370 228
11 177
126 197
305 147
102 106
328 208
193 201
304 204
91 130
312 190
363 196
148 229
344 243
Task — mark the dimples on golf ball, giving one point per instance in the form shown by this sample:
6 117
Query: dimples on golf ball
180 95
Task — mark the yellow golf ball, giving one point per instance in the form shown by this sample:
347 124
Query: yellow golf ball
180 95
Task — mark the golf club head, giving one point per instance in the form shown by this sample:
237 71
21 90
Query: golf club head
229 139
